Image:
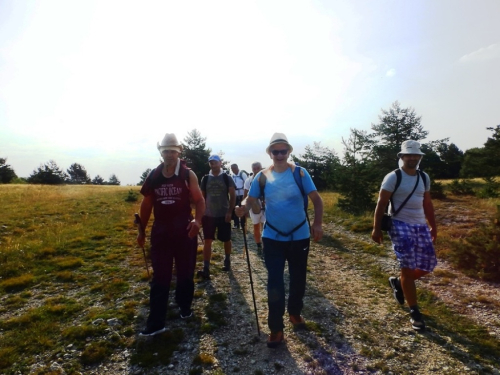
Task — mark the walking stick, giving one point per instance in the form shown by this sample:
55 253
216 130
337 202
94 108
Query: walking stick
141 229
250 273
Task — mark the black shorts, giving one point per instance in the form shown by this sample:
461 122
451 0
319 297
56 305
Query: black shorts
210 224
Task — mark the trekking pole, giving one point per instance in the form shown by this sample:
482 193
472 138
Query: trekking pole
250 273
138 222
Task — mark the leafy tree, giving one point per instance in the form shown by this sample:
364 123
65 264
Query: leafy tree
481 162
321 163
78 174
48 173
453 157
7 174
358 179
144 175
396 126
195 153
113 180
98 180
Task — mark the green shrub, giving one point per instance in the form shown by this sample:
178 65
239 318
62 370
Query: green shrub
437 190
462 187
131 197
489 189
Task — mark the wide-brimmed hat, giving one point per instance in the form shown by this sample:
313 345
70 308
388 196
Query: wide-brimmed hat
279 138
410 147
169 142
214 157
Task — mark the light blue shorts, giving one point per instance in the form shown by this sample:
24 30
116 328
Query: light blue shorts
413 246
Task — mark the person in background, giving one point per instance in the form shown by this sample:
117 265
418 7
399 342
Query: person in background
239 178
219 193
258 219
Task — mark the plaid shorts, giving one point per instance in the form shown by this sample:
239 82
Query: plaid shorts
413 245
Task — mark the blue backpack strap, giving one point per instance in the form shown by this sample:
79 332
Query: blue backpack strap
298 173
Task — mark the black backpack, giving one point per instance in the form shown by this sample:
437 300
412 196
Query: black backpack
204 180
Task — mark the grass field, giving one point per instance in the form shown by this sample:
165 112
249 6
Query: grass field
60 248
68 254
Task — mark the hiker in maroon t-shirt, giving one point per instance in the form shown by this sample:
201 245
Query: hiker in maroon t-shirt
169 190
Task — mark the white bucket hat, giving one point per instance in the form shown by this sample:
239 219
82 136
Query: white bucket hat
279 138
169 142
410 147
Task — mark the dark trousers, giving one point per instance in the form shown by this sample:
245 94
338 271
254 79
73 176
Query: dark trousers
236 219
166 248
276 253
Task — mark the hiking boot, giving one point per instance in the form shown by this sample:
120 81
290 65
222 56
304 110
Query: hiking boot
297 321
227 265
417 320
204 273
397 291
149 331
188 313
275 338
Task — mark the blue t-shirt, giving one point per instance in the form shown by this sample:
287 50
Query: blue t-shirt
284 204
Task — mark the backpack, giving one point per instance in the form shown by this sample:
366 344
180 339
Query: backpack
155 174
399 177
204 181
240 176
298 173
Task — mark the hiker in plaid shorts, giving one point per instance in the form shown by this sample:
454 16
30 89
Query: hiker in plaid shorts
413 231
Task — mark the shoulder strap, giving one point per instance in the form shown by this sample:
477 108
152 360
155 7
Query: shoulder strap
298 173
155 174
398 179
203 184
262 183
424 178
225 177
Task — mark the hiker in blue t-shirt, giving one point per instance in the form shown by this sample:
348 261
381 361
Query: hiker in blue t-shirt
286 235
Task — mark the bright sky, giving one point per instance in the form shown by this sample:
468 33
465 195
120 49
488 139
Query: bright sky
100 82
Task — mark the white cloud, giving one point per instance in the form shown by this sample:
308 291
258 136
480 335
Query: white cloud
491 52
391 72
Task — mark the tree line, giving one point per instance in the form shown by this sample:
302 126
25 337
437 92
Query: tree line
356 175
51 174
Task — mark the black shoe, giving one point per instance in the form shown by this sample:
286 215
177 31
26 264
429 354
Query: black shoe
152 331
204 273
227 265
397 291
417 320
186 314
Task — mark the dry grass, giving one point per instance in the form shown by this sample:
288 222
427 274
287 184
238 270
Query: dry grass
62 240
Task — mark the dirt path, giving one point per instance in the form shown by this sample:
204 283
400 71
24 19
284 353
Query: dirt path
354 324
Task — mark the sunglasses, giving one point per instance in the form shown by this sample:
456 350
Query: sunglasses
277 152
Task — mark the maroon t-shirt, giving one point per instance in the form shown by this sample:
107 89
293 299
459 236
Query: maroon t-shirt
171 198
